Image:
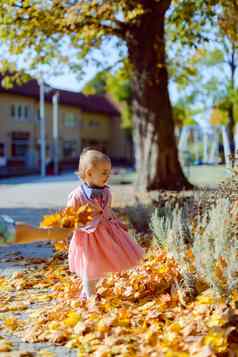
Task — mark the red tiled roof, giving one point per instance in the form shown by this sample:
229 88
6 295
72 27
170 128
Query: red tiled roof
87 103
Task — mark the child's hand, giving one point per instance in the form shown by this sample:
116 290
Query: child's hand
7 230
96 209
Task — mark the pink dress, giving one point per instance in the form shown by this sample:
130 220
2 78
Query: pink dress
103 245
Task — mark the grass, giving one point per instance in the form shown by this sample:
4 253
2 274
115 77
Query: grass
125 177
204 175
207 175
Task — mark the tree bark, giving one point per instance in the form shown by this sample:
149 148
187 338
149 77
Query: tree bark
231 119
154 134
231 128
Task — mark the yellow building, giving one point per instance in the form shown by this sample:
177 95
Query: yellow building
83 121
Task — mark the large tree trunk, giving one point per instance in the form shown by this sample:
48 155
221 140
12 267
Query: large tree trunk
231 118
156 150
231 128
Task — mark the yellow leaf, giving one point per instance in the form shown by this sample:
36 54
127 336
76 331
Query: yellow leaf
72 319
60 245
217 320
151 337
54 325
5 346
207 300
175 327
45 353
217 340
234 295
102 327
176 354
11 323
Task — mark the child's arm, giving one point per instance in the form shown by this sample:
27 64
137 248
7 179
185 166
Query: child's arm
15 233
26 233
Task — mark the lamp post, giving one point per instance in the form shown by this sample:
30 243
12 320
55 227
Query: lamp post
42 127
44 89
205 146
55 101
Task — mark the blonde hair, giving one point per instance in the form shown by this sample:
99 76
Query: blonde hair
89 158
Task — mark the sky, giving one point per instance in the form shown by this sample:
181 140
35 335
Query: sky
70 82
108 57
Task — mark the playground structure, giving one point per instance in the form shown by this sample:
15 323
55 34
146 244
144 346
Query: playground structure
206 142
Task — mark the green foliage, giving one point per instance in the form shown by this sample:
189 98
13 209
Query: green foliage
214 57
97 85
183 114
41 30
119 86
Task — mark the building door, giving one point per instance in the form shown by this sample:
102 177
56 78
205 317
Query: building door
20 145
3 156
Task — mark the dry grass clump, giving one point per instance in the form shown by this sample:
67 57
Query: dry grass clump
203 238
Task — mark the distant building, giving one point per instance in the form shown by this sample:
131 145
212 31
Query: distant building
83 120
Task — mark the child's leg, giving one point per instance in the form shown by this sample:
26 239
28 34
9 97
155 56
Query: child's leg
92 286
89 288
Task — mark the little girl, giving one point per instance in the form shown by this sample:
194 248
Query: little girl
103 245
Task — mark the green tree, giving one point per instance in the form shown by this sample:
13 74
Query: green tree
97 85
224 57
119 86
183 114
40 30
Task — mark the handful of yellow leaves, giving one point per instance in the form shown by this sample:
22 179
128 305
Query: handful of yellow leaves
69 217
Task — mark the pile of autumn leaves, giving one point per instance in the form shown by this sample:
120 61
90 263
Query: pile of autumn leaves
141 312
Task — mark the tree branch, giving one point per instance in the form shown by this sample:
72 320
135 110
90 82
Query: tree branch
119 30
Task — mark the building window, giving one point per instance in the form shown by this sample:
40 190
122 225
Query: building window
70 120
70 149
2 150
13 111
20 144
19 111
19 148
93 123
3 159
